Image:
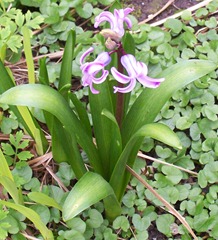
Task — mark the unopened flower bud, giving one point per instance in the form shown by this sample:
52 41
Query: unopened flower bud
108 33
110 44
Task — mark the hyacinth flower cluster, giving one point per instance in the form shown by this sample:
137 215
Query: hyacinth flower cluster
136 70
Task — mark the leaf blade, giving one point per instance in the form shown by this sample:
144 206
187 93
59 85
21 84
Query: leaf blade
44 199
157 131
90 189
32 216
151 101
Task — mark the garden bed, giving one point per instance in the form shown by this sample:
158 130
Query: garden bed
35 186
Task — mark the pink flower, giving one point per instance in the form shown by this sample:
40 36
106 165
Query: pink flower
91 69
136 71
116 20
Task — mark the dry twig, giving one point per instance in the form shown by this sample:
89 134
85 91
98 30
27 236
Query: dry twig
191 9
141 155
152 16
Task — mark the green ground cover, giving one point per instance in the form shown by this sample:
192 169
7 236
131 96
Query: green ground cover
35 188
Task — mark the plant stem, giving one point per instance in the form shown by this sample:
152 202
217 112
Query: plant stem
120 96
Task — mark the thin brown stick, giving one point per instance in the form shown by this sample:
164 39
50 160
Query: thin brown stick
166 204
41 159
152 16
191 9
28 236
61 185
141 155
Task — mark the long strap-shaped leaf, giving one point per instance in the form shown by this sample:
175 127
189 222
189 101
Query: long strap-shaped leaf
4 169
158 131
90 189
66 66
48 99
28 54
151 101
23 115
32 216
104 130
11 188
7 180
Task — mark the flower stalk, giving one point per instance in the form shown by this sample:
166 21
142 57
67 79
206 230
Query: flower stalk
120 96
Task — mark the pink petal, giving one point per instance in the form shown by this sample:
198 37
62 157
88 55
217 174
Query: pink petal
105 16
85 54
128 10
119 76
149 82
142 68
130 64
128 22
126 89
93 68
93 90
100 79
104 58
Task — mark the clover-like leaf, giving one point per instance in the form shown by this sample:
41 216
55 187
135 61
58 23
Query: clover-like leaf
174 24
121 222
173 174
163 224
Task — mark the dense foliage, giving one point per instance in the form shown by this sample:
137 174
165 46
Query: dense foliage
191 113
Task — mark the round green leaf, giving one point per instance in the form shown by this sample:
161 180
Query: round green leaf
163 223
173 174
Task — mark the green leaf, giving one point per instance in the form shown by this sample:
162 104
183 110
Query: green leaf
129 199
166 49
77 224
85 11
189 38
157 131
121 222
174 24
32 216
14 43
210 112
150 101
24 155
34 3
173 174
8 124
186 15
163 224
28 54
8 149
90 189
43 199
107 136
66 66
95 218
140 223
5 171
35 22
106 2
23 114
43 72
11 188
43 212
129 43
46 98
203 222
19 19
81 111
211 23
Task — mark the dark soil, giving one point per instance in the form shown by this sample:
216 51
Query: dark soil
144 8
